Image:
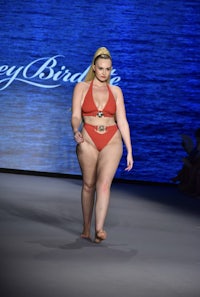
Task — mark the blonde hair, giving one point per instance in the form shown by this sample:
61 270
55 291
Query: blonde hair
102 52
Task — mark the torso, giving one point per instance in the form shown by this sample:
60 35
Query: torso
98 105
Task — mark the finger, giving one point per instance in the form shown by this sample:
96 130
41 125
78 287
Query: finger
78 138
128 168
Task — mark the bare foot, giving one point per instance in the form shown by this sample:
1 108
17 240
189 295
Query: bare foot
100 235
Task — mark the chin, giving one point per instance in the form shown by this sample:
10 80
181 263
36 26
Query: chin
103 79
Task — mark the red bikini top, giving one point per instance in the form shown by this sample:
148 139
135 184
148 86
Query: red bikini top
89 108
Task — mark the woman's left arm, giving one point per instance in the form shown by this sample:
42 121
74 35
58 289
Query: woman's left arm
123 125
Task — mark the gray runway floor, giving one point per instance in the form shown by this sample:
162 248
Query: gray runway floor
152 249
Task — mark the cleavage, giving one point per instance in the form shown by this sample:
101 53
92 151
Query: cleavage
101 97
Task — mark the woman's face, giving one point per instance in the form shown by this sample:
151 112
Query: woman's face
102 69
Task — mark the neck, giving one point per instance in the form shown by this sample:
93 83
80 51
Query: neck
99 83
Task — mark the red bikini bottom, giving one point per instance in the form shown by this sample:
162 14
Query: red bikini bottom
100 139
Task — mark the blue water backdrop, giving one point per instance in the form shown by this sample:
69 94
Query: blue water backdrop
155 47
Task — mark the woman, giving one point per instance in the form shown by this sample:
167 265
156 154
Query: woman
99 124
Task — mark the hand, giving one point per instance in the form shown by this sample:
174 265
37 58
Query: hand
78 137
130 162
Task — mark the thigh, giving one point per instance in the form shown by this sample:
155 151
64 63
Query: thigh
87 157
108 160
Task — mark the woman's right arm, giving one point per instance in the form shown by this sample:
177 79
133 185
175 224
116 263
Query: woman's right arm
76 118
76 108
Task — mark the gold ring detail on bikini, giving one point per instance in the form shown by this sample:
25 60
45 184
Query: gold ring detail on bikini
101 128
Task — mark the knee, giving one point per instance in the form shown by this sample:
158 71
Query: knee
88 187
103 186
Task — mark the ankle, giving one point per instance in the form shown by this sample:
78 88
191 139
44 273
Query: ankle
101 234
86 231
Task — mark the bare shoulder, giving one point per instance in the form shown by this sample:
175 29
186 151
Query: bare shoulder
81 86
80 90
116 90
